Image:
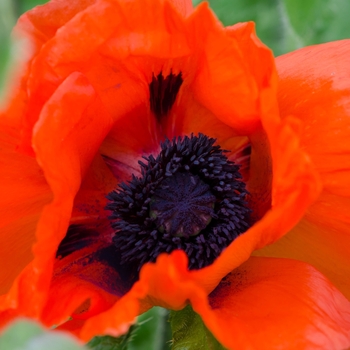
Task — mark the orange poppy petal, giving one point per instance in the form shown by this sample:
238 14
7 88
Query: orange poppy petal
271 303
265 302
33 29
295 182
49 18
73 326
260 62
24 193
90 201
184 6
166 282
222 64
319 96
54 62
76 286
65 148
322 246
87 260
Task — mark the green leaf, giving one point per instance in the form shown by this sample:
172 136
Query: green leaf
108 343
111 343
26 335
189 331
152 331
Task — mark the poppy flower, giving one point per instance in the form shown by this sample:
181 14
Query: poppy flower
122 110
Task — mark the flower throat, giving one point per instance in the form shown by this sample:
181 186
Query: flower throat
188 197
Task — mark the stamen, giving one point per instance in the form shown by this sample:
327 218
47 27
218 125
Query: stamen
163 92
189 197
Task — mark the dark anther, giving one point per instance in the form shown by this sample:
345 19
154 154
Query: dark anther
189 197
163 92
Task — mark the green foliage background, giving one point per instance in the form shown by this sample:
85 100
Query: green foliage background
284 25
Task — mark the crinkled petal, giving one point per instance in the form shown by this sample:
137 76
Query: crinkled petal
319 97
57 59
295 183
224 63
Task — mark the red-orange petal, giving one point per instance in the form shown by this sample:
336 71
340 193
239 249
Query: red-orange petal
315 89
319 95
53 63
185 7
24 193
167 283
265 303
44 21
271 303
75 285
32 31
64 160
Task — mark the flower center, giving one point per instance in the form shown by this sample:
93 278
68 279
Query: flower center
182 205
189 197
